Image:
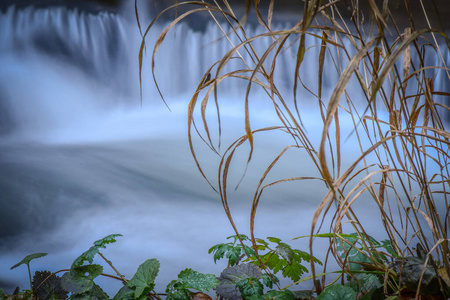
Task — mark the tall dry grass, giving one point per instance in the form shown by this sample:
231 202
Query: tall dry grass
396 100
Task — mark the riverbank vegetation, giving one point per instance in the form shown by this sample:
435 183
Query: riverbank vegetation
396 99
373 70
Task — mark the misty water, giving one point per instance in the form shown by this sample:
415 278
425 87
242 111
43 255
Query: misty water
81 157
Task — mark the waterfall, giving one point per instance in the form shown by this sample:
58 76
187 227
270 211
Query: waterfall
64 68
84 157
69 69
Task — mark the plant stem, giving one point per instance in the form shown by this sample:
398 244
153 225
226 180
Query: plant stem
29 275
110 263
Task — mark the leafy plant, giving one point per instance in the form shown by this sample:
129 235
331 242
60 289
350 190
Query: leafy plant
89 254
371 88
337 292
48 286
26 261
142 282
179 289
283 258
234 251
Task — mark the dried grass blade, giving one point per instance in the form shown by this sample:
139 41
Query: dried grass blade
378 15
323 48
406 59
300 55
161 38
270 13
391 59
333 105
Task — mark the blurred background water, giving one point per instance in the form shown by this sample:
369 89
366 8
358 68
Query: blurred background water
81 157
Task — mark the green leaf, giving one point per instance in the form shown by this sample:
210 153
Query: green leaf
194 280
294 270
179 295
143 281
338 292
249 287
386 244
96 293
274 240
268 281
106 240
220 250
81 285
28 258
262 242
325 235
89 254
236 238
364 282
76 284
280 295
285 251
125 293
89 271
233 254
230 276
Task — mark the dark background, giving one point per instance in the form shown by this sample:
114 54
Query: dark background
438 10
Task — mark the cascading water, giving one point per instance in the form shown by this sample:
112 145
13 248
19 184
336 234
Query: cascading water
82 158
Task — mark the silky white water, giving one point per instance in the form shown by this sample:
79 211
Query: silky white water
82 157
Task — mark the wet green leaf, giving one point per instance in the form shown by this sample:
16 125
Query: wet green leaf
250 287
190 279
269 281
82 286
28 258
89 254
230 276
143 281
280 295
285 251
338 292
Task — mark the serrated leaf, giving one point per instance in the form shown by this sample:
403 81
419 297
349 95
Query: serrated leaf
76 284
386 244
306 294
294 271
28 258
302 255
364 282
190 279
250 287
285 251
106 240
89 254
269 281
92 271
230 276
280 295
96 293
82 286
85 256
274 239
262 242
179 295
337 292
143 281
235 237
233 254
125 293
220 250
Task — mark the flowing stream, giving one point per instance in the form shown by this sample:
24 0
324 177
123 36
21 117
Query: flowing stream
81 157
